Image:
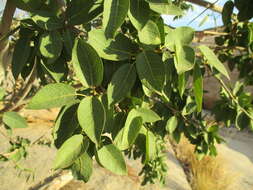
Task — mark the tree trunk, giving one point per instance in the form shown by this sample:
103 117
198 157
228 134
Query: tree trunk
5 26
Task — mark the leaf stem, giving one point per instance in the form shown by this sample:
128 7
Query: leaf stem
233 97
78 94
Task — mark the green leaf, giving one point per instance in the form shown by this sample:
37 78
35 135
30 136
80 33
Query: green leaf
121 48
14 120
17 154
213 60
198 86
139 13
118 123
51 45
181 35
83 11
121 83
150 35
227 12
150 146
184 59
115 12
82 167
245 9
48 23
127 135
112 159
21 55
88 66
171 124
57 70
147 115
91 116
53 95
68 37
151 70
28 5
65 124
70 151
165 7
190 106
242 120
182 81
109 114
37 6
160 24
2 93
204 20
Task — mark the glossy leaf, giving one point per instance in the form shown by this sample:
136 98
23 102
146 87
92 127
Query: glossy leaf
112 159
213 60
51 45
147 115
151 70
139 13
150 146
198 87
182 81
21 55
88 66
65 125
150 35
184 59
121 48
37 6
171 124
14 120
121 83
227 12
57 70
165 7
127 135
48 23
115 12
91 116
83 11
70 151
82 167
181 35
68 37
53 95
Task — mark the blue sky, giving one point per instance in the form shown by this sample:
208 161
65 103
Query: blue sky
188 17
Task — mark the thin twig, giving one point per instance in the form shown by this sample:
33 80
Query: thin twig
206 4
6 21
233 97
208 7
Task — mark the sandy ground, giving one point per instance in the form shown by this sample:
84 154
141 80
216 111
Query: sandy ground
40 159
238 157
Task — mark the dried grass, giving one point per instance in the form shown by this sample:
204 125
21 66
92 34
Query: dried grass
210 173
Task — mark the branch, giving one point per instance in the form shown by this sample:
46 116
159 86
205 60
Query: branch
6 22
206 4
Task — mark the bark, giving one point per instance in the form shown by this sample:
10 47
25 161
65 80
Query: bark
5 26
6 21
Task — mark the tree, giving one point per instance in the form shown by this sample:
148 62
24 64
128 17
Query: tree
120 77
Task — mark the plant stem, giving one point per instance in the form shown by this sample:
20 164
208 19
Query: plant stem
233 97
6 22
